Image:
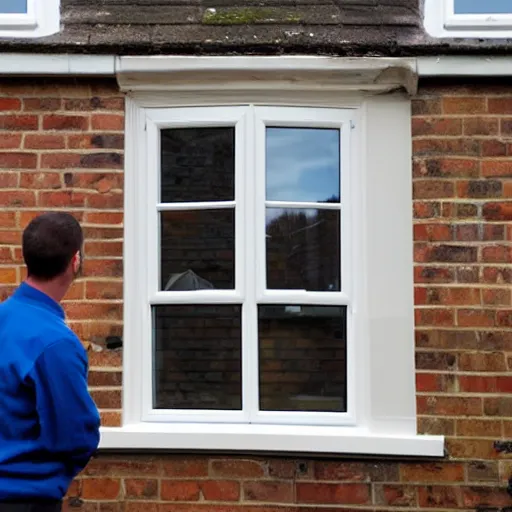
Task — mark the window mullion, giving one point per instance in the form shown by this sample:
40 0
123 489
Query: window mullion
251 271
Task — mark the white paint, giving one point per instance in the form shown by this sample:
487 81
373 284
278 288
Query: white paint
41 19
30 64
440 20
33 64
382 419
267 438
158 73
477 66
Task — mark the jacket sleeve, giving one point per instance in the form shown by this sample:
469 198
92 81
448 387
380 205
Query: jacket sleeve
68 418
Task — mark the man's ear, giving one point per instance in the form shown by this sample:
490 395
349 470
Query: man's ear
76 261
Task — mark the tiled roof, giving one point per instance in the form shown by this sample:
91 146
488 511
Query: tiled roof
336 27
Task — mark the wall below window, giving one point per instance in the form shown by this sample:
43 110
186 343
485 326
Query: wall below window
61 147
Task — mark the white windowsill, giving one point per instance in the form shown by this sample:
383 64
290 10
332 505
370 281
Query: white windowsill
267 438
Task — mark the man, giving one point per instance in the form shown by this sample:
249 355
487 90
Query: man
49 425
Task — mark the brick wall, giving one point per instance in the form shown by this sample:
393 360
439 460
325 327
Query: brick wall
61 147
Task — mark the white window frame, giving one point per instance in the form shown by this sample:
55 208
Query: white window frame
41 19
249 122
381 289
441 21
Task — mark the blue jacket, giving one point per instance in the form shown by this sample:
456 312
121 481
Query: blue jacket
49 425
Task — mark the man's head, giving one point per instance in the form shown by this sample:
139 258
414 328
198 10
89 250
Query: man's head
52 247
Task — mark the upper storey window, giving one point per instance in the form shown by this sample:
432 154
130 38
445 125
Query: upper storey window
468 18
29 18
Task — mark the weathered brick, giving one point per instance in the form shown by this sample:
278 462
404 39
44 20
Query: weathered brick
275 492
183 490
321 493
65 122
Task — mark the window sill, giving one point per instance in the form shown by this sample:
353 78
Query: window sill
267 438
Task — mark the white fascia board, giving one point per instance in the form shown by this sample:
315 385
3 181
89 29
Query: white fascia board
42 64
267 438
478 66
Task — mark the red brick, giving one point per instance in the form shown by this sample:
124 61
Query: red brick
18 122
433 189
100 488
101 379
104 290
237 468
437 317
10 104
189 467
16 198
8 276
41 104
497 297
499 105
395 495
484 384
128 466
496 275
493 148
433 275
66 123
10 141
61 198
182 490
107 122
452 167
432 472
464 105
106 399
320 493
18 160
41 180
439 496
104 218
498 211
220 490
141 488
9 179
111 419
497 168
485 496
44 142
273 492
497 254
481 126
482 362
468 448
476 318
432 232
449 406
478 428
422 126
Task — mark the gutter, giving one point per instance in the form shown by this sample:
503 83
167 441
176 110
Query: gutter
42 64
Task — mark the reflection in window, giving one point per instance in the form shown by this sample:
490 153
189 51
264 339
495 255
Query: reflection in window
13 6
197 357
303 164
483 7
302 358
197 250
198 164
303 249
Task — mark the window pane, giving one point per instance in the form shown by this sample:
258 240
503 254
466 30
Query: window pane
302 358
481 7
13 6
197 250
303 164
197 351
303 249
198 164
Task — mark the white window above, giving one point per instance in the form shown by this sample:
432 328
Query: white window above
29 18
469 18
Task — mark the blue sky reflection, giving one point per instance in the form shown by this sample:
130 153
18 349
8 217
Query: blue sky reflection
481 7
13 6
303 164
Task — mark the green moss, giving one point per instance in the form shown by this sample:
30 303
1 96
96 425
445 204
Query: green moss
247 16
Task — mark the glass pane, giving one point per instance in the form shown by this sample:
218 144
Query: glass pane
198 164
303 164
302 358
13 6
481 7
197 250
303 249
197 357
